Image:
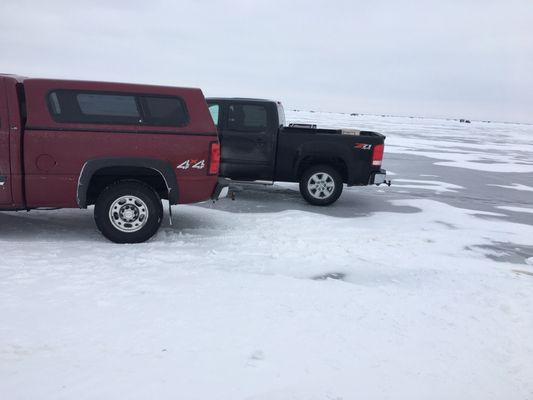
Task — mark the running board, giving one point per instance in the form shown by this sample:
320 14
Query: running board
236 182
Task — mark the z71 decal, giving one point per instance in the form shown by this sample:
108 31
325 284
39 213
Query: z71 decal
196 164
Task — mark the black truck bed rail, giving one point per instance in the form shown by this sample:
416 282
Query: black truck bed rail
310 129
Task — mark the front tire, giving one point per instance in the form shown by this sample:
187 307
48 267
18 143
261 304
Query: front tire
128 212
321 185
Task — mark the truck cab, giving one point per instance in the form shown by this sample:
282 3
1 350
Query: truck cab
249 130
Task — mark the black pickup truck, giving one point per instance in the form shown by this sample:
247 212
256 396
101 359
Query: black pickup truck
257 146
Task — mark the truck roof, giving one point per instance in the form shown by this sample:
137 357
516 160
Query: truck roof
244 99
18 78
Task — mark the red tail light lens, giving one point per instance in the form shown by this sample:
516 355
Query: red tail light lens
214 158
377 155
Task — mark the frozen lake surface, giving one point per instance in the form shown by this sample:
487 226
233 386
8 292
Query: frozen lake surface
421 290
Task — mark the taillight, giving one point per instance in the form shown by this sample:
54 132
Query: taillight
214 158
377 155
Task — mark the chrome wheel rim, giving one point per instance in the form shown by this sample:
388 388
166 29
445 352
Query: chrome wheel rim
128 214
321 185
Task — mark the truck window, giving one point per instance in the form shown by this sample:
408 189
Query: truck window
164 111
53 102
91 107
214 110
247 118
107 105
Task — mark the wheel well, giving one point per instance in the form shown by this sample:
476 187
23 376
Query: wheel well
109 175
335 162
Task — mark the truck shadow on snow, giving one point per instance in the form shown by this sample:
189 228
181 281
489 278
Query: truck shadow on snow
355 202
57 225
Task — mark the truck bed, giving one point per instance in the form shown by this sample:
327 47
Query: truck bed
322 131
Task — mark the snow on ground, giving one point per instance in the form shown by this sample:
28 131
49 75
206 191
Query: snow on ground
436 186
516 209
515 186
399 293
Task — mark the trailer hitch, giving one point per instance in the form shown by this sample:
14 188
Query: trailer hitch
388 183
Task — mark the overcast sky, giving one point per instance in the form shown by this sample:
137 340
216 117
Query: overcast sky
446 58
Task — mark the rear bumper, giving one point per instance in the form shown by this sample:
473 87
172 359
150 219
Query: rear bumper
379 177
221 189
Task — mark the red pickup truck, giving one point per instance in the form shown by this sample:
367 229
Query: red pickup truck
121 147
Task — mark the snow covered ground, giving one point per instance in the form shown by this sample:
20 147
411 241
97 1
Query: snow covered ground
421 290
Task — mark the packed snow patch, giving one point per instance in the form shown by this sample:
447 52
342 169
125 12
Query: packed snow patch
515 186
516 209
436 186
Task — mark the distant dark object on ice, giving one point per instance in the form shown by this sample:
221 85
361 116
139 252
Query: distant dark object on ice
354 114
466 121
330 275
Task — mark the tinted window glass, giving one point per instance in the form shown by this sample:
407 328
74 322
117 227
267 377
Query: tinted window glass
164 111
88 107
93 107
108 104
54 104
248 118
214 109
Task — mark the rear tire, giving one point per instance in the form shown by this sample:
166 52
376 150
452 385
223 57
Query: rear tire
321 185
128 212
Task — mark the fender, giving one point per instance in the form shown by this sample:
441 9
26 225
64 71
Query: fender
92 166
319 149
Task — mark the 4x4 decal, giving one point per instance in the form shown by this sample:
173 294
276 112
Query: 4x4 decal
196 164
199 164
